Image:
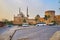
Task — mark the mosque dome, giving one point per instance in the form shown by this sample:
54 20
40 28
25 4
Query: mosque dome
20 14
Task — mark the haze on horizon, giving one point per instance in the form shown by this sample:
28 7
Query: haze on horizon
9 8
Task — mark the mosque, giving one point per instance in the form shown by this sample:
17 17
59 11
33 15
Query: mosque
21 18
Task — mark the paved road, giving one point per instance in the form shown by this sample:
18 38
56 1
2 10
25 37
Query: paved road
3 29
5 35
36 33
32 33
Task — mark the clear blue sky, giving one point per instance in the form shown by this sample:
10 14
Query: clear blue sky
10 7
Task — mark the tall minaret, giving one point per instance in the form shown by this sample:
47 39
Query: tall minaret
19 10
27 12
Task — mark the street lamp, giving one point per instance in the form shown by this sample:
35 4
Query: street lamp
59 4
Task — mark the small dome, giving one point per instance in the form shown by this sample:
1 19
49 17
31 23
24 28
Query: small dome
20 14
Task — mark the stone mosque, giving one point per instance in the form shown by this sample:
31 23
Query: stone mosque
21 17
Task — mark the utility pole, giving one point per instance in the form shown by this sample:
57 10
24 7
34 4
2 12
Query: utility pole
59 4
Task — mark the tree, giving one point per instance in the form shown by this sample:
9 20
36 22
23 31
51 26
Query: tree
10 23
37 17
54 22
7 22
24 21
47 17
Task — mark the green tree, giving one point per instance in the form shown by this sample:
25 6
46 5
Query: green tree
10 23
47 17
7 22
54 22
37 17
24 20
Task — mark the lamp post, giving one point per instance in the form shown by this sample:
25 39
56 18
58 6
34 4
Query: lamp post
59 4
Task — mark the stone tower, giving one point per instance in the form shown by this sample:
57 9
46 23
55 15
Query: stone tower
50 13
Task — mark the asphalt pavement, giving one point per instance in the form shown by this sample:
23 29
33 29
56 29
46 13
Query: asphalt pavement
36 33
3 29
31 33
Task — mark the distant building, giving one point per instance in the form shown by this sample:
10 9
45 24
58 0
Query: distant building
57 19
31 21
2 24
51 15
42 20
19 19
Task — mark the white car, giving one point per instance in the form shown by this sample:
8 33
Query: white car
25 24
40 24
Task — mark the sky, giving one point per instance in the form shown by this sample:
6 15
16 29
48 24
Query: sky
9 8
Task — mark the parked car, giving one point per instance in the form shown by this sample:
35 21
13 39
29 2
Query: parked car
40 24
25 24
9 25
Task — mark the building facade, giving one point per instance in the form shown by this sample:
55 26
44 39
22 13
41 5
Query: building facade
57 19
50 15
42 19
19 18
31 21
2 24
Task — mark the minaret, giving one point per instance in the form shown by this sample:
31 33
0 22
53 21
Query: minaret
19 10
27 12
